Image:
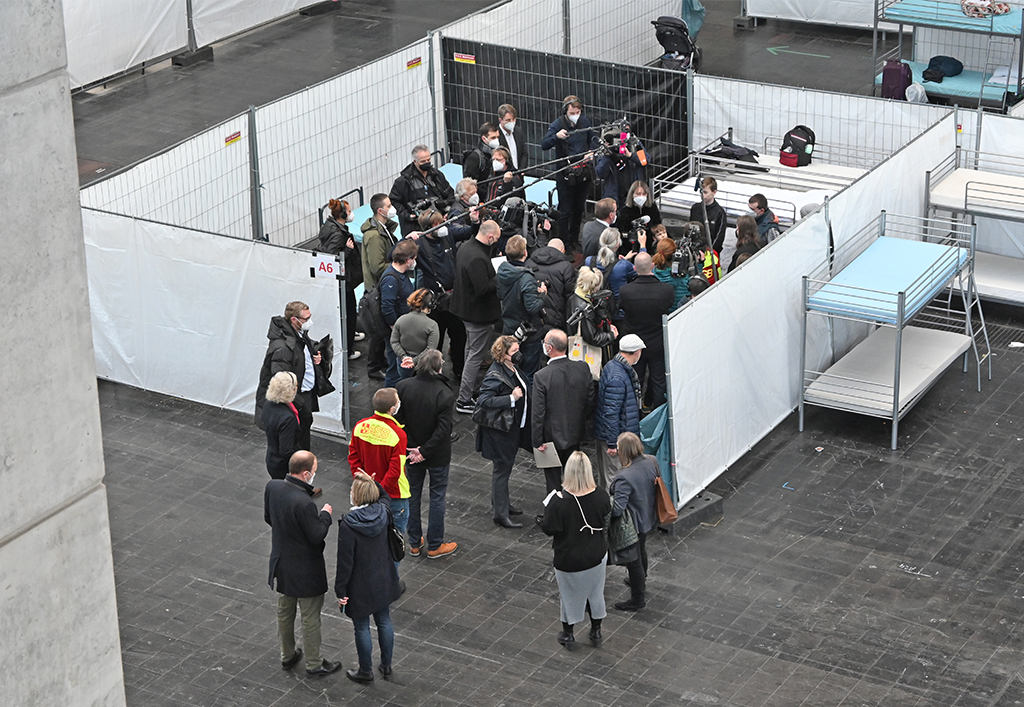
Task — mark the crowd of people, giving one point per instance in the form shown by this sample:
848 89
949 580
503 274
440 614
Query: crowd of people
551 343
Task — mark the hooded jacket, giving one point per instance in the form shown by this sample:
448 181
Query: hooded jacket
376 251
366 573
283 354
554 268
520 301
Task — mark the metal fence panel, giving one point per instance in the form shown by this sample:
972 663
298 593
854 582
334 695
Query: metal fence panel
354 130
202 183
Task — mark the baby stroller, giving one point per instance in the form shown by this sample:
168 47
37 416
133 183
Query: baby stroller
680 51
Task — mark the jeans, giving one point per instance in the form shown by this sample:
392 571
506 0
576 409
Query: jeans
391 376
309 608
385 637
479 338
400 512
637 570
417 473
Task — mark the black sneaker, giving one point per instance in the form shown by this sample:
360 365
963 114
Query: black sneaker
465 407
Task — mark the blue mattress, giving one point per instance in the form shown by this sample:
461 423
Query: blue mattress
867 288
967 84
948 15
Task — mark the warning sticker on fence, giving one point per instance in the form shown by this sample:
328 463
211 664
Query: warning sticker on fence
233 137
413 63
465 58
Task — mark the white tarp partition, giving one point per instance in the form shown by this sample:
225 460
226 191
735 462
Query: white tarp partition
523 24
745 379
202 184
848 13
628 39
1018 110
838 120
216 19
1003 136
107 37
186 313
357 129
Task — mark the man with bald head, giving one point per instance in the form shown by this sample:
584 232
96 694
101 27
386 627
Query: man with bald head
564 395
552 267
643 302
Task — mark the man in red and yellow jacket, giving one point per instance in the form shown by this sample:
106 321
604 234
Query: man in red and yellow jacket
378 448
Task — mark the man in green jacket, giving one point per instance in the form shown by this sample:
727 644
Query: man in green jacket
380 234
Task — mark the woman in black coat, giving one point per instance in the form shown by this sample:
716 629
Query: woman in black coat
281 423
366 582
503 413
747 239
335 238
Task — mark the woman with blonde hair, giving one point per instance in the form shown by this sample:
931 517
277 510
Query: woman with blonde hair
503 414
591 317
414 332
574 518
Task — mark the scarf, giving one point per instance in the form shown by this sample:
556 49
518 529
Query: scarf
632 376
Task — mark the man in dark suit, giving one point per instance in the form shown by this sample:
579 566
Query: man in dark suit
644 301
510 136
564 396
605 213
297 561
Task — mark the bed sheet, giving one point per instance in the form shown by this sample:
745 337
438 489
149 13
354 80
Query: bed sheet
867 287
817 169
967 84
861 381
999 278
1007 193
948 15
734 196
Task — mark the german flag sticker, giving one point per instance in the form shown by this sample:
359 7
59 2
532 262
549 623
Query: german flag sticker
413 63
233 137
465 58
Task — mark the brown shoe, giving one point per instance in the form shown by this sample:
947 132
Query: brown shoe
317 492
414 550
445 549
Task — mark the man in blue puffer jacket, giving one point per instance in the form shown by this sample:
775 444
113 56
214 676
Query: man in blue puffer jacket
618 405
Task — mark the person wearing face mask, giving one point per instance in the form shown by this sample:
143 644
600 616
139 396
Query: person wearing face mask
335 238
510 136
395 287
638 203
620 170
462 225
379 237
503 179
290 349
297 534
378 447
477 163
618 405
571 137
503 415
420 181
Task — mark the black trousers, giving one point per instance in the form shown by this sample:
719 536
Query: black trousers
304 404
553 475
572 202
448 322
637 570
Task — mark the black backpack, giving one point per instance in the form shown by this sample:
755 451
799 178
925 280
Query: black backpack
371 319
797 146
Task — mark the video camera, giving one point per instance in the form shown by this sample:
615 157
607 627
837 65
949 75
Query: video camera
600 303
687 261
425 206
618 138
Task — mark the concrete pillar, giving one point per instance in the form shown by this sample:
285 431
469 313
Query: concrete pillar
58 616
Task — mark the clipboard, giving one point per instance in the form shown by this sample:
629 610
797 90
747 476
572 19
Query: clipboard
548 459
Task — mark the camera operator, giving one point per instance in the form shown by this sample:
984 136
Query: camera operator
620 166
477 164
502 183
510 137
462 228
639 203
523 300
420 186
591 308
571 136
668 269
554 269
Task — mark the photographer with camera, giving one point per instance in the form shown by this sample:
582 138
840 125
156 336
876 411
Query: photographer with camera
462 228
522 304
591 308
616 269
419 187
666 261
571 136
555 270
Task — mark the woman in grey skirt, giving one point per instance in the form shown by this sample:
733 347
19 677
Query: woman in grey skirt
574 517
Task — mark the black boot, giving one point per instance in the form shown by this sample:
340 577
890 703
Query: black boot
595 632
566 638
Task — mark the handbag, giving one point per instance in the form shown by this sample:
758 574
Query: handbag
396 542
667 514
580 350
500 419
623 540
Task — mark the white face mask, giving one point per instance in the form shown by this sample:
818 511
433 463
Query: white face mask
350 218
442 232
497 166
412 264
392 212
510 126
311 477
573 118
396 408
640 200
473 200
307 325
493 143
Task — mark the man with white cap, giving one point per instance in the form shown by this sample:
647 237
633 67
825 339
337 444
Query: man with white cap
618 405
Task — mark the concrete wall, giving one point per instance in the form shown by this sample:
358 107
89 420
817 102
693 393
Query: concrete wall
58 615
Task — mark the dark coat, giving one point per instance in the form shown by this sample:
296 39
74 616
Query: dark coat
366 573
464 228
628 214
426 412
554 268
633 488
521 303
334 237
590 236
413 186
282 428
284 353
751 248
564 396
475 297
435 263
595 328
496 392
643 302
581 137
619 172
477 164
395 288
618 410
297 538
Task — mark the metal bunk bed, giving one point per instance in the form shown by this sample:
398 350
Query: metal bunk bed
894 275
1005 33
